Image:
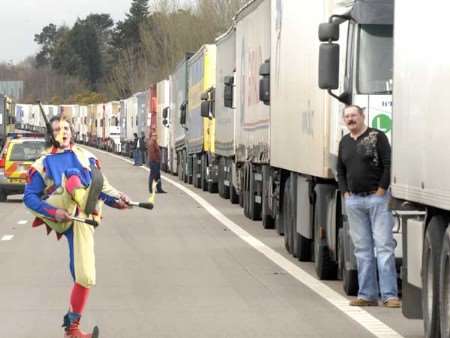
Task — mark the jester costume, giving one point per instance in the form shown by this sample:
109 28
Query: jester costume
62 179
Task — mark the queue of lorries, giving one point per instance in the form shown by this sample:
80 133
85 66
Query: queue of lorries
256 117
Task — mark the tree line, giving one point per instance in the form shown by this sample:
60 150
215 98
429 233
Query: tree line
99 59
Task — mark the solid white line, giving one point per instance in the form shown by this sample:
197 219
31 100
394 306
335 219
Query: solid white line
361 316
7 237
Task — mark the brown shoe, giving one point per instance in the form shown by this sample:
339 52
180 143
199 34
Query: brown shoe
392 303
363 302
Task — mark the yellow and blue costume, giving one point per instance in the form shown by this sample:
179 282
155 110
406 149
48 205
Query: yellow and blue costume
51 186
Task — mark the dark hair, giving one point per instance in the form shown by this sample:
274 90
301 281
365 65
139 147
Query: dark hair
358 108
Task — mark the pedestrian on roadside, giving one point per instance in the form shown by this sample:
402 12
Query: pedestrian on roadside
62 183
143 148
154 156
364 165
137 156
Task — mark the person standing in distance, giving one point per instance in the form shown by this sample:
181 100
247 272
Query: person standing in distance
364 165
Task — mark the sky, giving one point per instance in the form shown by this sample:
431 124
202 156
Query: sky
21 19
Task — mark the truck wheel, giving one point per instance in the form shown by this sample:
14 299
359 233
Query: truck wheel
226 176
221 178
244 192
254 208
279 223
203 173
267 219
431 260
444 287
3 196
286 209
195 172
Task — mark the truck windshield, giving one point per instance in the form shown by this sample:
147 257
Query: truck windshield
375 59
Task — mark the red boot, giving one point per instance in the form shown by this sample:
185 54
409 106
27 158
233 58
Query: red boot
71 326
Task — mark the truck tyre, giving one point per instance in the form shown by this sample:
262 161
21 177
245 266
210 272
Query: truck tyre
444 286
244 191
267 219
195 172
286 210
203 173
349 277
226 176
431 260
254 208
3 196
221 178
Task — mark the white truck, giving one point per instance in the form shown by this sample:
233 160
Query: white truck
112 126
178 109
252 135
162 122
421 166
225 114
289 158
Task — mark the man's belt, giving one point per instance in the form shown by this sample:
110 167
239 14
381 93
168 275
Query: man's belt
364 193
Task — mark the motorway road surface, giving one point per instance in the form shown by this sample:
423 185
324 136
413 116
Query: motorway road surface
176 271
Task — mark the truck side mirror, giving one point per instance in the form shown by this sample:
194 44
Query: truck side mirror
329 66
183 113
165 123
165 113
228 91
328 32
204 109
264 82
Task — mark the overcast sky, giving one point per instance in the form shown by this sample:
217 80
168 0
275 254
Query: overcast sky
21 19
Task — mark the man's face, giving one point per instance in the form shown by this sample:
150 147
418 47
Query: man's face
354 120
62 133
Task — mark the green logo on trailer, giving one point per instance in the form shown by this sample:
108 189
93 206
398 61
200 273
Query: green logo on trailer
382 122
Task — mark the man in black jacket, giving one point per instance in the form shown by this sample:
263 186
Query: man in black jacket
364 165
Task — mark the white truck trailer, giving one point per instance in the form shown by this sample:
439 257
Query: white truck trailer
252 139
225 114
291 180
421 166
112 126
178 108
162 122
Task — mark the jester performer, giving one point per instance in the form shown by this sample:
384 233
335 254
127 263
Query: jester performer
66 182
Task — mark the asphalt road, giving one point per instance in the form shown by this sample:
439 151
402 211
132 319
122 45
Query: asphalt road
175 271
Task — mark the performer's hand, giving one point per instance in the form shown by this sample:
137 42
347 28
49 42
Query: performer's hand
123 201
62 215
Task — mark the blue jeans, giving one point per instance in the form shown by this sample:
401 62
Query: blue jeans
155 175
371 224
137 155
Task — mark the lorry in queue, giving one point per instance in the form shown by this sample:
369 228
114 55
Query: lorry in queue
201 127
178 111
112 126
420 164
225 114
7 118
252 129
162 123
288 140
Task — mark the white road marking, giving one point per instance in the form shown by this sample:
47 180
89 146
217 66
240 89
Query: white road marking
21 222
361 316
7 237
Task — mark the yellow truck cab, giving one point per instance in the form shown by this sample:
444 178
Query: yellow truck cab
16 157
